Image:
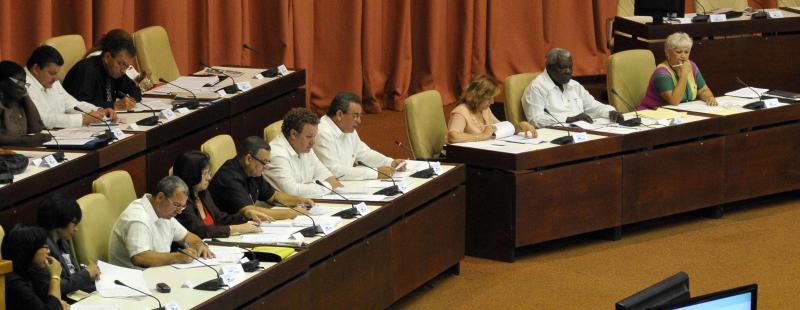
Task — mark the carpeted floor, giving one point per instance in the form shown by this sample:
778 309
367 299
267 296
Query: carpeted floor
756 241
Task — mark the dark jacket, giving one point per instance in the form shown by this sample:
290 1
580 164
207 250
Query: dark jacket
190 218
29 294
17 120
80 280
88 81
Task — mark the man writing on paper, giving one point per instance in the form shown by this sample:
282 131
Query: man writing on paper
238 184
102 80
143 233
56 106
555 92
339 147
295 167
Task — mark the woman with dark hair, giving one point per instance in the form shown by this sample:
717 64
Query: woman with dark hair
35 282
60 216
20 123
201 215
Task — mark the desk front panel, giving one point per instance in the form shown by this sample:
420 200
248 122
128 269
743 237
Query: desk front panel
762 162
567 201
672 180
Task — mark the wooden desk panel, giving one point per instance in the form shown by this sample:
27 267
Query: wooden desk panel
48 180
428 241
490 213
567 201
671 180
762 162
294 294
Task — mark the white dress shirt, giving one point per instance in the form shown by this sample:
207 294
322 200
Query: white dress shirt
294 173
55 105
339 152
543 94
139 229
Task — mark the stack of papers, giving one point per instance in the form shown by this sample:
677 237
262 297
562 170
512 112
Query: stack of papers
725 108
661 114
355 197
747 92
110 273
195 264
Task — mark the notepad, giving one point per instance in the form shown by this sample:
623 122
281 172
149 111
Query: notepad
272 253
661 114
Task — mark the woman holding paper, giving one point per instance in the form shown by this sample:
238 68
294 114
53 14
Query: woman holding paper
35 282
472 120
201 215
677 79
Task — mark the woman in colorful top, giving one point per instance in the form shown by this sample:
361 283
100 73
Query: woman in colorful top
472 119
677 79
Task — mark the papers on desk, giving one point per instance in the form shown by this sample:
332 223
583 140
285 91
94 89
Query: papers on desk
227 254
157 104
323 210
384 183
699 106
661 113
92 307
304 221
193 83
355 197
195 264
521 139
352 190
747 92
503 129
132 277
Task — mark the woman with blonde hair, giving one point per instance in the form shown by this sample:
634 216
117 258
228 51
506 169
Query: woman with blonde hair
677 79
472 119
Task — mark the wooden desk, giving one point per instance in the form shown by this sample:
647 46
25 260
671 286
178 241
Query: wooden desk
755 50
5 268
515 200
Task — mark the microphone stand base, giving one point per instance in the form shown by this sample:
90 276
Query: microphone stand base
309 231
631 122
389 191
148 121
210 285
562 140
347 213
758 105
423 174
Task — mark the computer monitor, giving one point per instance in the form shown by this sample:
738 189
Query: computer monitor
669 290
740 298
659 9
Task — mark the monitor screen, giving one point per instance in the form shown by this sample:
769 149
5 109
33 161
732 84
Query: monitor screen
740 298
660 8
670 290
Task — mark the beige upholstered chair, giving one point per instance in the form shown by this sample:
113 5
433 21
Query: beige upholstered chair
72 49
2 235
219 149
629 74
272 131
710 5
118 188
155 54
94 231
624 8
515 86
425 124
789 3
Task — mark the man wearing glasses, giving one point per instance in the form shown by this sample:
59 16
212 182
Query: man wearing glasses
102 80
339 147
143 233
238 185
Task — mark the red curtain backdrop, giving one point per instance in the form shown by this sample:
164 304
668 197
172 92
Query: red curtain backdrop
384 50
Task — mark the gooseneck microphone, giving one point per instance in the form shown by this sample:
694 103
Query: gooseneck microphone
700 18
633 122
108 135
271 72
210 285
388 191
564 139
252 264
228 89
758 105
147 121
422 174
346 213
191 104
59 155
247 47
308 231
160 307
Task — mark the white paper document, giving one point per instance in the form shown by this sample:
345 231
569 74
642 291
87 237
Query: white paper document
355 197
195 264
110 273
157 104
521 139
747 92
323 210
503 129
352 190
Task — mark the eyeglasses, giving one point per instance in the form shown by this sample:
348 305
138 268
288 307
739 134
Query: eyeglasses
178 206
263 163
355 115
19 83
206 173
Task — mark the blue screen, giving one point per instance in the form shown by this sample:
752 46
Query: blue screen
737 302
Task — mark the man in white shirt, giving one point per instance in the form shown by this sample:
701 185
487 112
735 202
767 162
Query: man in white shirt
339 147
555 93
294 167
143 233
55 105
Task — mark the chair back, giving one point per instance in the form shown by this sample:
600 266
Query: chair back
788 3
425 124
515 86
2 235
219 149
117 186
710 5
272 131
155 54
94 231
71 47
629 74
